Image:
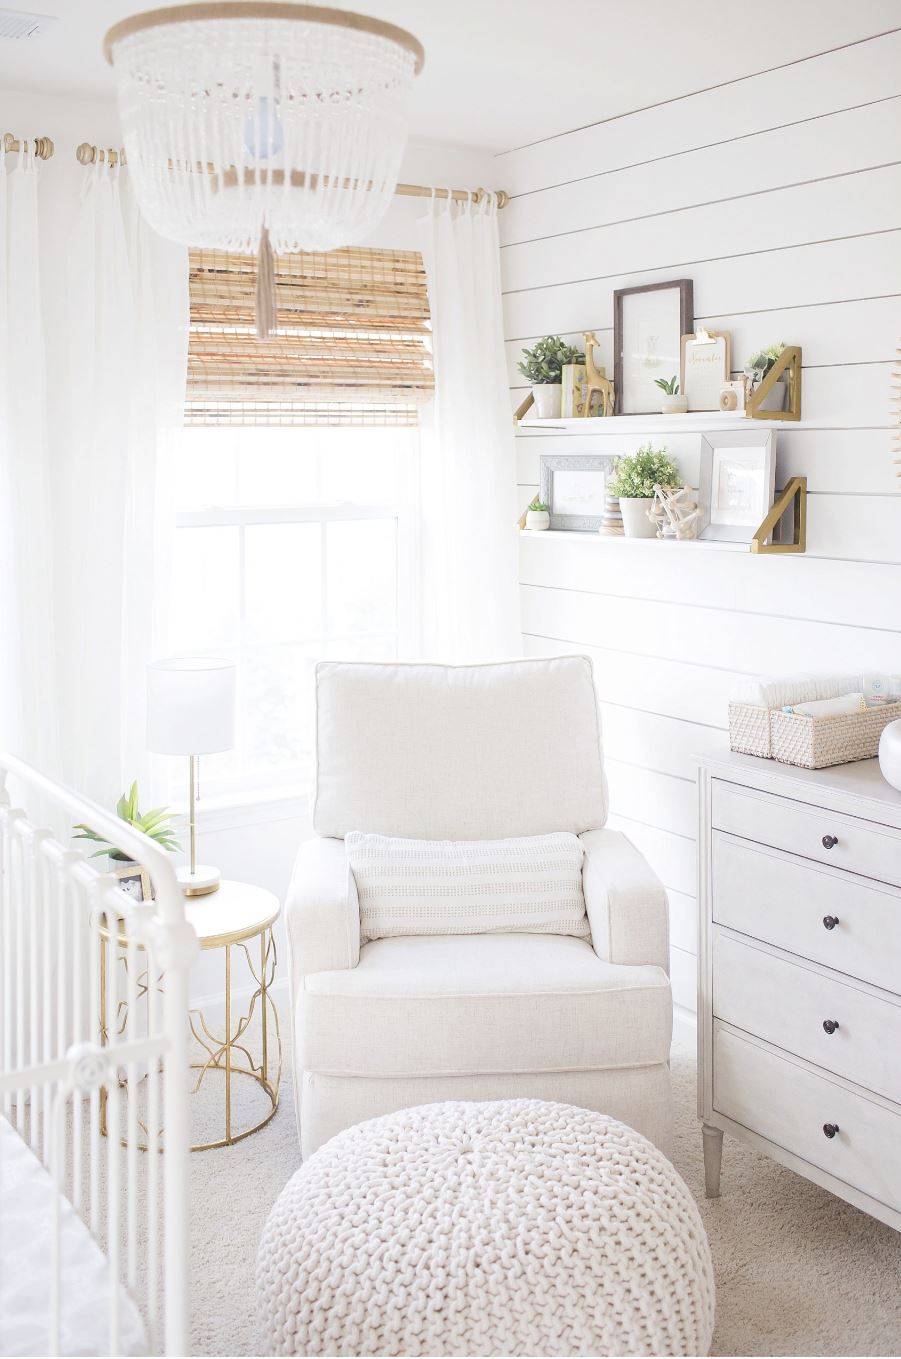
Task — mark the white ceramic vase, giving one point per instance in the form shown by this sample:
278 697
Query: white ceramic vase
634 510
890 754
548 400
775 400
537 519
674 405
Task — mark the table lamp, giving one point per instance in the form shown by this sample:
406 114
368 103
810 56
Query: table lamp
191 711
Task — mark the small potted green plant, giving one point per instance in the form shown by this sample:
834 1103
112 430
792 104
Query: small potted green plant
157 824
543 366
538 515
671 403
634 479
756 369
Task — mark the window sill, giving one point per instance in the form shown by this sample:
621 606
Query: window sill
249 807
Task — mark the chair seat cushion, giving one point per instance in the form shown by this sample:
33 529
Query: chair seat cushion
470 1004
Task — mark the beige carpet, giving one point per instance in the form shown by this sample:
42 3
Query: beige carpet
798 1272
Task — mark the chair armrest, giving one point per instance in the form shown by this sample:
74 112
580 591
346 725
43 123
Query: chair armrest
625 901
322 912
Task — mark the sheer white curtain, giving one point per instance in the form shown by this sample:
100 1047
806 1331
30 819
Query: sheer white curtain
125 382
28 707
468 484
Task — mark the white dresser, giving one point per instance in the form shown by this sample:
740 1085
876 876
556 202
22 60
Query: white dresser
799 972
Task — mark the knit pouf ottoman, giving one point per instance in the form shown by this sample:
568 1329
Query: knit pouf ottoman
512 1228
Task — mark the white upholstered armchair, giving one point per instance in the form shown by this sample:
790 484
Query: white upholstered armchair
472 753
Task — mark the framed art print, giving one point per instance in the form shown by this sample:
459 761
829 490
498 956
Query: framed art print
574 488
648 325
738 483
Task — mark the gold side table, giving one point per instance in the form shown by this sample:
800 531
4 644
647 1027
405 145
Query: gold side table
237 916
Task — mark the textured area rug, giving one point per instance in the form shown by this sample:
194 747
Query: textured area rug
798 1272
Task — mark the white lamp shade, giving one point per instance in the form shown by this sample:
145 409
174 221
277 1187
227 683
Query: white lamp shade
190 705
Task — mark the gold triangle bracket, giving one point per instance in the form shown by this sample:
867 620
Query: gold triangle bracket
787 365
794 495
521 409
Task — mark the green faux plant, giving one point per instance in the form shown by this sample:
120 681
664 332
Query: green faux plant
157 824
762 360
668 385
538 504
544 363
635 477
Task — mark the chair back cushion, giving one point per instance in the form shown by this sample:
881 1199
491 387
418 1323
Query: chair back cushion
470 752
531 885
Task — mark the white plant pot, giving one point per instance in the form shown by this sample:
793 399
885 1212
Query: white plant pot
548 400
537 519
674 405
635 516
890 754
775 400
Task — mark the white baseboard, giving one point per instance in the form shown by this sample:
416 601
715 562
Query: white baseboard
685 1024
213 1005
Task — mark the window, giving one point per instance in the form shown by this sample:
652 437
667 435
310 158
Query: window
295 486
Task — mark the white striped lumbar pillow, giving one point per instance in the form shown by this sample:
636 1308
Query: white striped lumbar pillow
531 885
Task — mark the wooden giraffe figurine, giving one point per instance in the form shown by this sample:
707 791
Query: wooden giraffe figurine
596 382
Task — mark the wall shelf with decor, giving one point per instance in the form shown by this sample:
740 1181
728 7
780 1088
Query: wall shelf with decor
612 535
693 422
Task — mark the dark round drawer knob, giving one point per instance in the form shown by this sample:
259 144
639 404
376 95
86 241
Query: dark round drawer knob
830 921
830 1025
830 841
830 1129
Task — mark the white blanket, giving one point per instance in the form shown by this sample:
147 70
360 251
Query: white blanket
26 1201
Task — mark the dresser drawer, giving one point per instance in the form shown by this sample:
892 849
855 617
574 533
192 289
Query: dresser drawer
788 1004
789 1105
784 901
841 841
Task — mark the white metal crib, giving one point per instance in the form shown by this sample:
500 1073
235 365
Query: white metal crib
94 1116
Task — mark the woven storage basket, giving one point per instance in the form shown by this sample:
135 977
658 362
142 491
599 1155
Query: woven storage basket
749 729
817 742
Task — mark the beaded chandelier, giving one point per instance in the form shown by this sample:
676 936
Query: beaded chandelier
255 127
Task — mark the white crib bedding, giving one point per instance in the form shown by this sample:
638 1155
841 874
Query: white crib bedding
26 1200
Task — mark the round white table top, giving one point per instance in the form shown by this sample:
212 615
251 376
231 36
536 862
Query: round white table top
238 910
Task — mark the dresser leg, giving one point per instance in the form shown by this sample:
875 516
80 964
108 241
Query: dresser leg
713 1160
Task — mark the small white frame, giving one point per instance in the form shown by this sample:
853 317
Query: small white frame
737 484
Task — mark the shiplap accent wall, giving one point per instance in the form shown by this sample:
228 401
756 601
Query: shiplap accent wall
780 196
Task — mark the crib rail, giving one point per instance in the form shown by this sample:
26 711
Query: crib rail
93 1049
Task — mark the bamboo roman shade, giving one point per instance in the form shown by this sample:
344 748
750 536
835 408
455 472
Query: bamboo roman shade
352 345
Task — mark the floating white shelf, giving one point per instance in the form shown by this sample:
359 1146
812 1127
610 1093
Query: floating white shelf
667 544
694 421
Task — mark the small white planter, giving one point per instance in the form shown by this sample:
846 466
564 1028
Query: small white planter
548 400
776 399
538 519
674 405
890 754
635 516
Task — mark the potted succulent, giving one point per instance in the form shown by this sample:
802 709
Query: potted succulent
543 366
157 824
671 403
634 479
757 367
538 515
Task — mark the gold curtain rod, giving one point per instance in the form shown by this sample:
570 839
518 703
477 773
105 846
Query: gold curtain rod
87 154
43 146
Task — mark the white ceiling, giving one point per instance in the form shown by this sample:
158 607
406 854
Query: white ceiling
502 73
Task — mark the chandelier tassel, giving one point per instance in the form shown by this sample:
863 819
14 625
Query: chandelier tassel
266 303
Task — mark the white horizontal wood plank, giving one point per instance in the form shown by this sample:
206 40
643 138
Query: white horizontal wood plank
664 800
694 693
750 643
684 979
732 279
807 89
845 206
683 921
861 594
834 333
664 745
856 528
769 160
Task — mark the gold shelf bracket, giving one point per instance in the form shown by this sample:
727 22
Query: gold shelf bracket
788 365
794 494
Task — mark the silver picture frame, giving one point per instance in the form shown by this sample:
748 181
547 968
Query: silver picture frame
574 487
737 484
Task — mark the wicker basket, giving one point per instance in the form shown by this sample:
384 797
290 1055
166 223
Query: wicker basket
817 742
749 729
